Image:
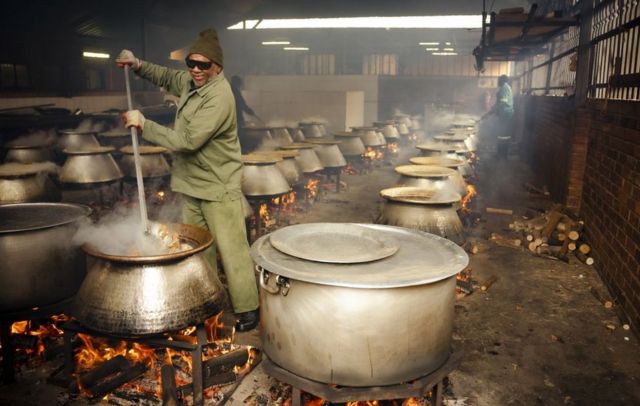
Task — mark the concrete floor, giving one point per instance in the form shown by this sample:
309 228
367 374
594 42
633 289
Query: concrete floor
536 337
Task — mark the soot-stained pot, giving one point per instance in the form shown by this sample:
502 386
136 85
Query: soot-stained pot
432 211
73 140
152 162
130 295
461 166
431 177
312 129
308 160
90 165
328 152
22 183
261 177
370 136
281 136
391 319
350 143
40 266
28 154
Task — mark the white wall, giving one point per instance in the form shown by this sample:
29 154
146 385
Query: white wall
341 100
88 104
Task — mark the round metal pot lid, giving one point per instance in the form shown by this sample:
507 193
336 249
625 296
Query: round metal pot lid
311 123
432 146
420 195
336 243
263 158
454 137
437 161
421 258
116 133
256 128
144 149
425 171
15 169
321 141
35 216
89 150
345 134
26 146
297 145
284 154
365 128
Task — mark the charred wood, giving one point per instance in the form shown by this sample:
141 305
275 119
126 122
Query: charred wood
110 367
169 390
103 388
225 362
220 379
495 210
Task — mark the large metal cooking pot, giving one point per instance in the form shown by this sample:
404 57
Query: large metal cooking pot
423 209
28 154
458 164
39 266
437 149
296 134
22 183
459 141
312 129
351 144
90 165
404 119
152 162
261 177
117 138
281 136
370 136
286 164
416 123
388 130
139 295
72 139
328 152
390 319
431 177
308 160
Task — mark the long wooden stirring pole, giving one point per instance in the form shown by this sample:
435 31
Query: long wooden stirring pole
136 159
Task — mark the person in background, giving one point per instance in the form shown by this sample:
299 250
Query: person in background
207 169
242 107
503 110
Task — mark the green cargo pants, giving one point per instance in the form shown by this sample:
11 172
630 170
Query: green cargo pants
225 220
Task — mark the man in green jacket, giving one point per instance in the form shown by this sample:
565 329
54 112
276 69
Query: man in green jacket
503 109
207 169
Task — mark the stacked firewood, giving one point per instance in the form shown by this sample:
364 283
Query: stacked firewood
555 234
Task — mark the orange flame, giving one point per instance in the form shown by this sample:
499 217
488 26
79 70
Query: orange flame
349 170
373 154
286 202
264 212
471 192
392 147
312 188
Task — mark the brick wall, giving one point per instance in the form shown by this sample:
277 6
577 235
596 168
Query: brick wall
552 146
611 198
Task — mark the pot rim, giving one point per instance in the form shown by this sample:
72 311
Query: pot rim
197 235
83 211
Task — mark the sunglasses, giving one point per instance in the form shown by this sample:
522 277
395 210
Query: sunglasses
199 64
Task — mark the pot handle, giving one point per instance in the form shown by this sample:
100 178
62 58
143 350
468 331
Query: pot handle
282 283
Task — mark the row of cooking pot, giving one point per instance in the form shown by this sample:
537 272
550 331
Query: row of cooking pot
35 181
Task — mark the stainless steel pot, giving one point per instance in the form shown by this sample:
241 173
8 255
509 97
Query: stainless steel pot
139 295
261 177
72 139
390 320
296 134
423 209
28 154
152 162
431 177
39 265
281 136
22 183
286 164
370 136
312 129
404 119
328 152
388 130
437 149
351 144
459 165
308 160
90 165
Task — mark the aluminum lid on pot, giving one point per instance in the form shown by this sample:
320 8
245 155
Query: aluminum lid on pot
35 216
88 150
420 195
297 145
425 171
144 149
434 146
421 258
437 161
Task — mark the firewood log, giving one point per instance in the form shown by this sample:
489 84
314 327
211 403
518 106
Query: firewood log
487 283
584 248
608 304
552 223
584 258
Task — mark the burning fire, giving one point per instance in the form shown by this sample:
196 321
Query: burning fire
349 170
264 213
286 202
312 188
42 332
471 192
392 147
373 154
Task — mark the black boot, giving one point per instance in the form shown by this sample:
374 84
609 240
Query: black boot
248 320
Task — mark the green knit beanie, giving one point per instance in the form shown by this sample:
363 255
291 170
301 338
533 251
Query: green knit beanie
208 45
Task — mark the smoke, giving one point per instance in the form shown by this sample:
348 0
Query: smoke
16 169
277 123
121 233
39 138
268 145
314 119
88 125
